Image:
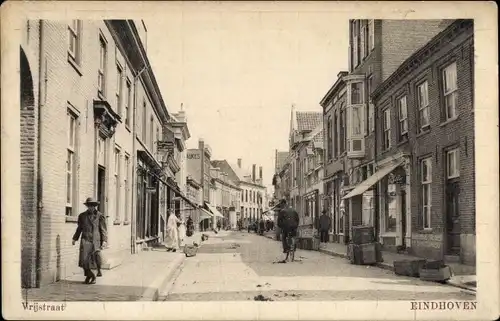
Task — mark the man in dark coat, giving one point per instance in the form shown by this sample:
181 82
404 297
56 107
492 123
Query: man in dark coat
288 222
324 226
94 236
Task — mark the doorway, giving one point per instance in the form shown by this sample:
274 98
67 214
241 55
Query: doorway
452 218
101 181
403 218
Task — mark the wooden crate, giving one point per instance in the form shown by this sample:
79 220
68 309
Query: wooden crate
364 254
408 267
363 235
438 275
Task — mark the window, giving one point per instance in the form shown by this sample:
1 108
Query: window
362 38
356 120
343 128
101 82
117 183
355 41
450 92
127 189
157 140
70 164
119 89
334 142
371 34
357 93
423 106
453 164
246 195
151 133
403 117
74 31
128 103
144 120
390 207
426 180
330 137
386 142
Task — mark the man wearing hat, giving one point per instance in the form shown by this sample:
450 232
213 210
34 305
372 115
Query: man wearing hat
92 228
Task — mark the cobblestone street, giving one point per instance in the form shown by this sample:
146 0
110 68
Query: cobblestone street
241 266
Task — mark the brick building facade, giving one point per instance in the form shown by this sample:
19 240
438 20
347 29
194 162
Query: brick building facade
376 49
425 123
92 124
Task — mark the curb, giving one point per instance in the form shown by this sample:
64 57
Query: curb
153 290
386 266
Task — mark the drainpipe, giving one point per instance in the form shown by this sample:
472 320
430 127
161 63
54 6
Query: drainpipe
42 78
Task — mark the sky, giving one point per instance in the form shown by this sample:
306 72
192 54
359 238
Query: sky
237 74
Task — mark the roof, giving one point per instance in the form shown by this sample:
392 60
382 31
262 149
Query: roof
308 120
281 159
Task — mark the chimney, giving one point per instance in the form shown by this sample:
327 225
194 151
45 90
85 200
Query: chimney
253 173
260 173
239 162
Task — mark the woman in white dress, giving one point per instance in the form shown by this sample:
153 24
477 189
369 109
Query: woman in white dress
172 238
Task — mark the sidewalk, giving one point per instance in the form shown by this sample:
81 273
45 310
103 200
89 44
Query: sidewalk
464 276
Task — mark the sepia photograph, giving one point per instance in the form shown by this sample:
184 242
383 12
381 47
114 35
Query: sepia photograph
249 154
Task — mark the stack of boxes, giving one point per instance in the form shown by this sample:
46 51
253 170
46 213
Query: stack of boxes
363 250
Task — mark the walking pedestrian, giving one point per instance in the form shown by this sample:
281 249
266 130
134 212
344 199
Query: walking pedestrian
91 227
324 226
172 239
189 227
181 227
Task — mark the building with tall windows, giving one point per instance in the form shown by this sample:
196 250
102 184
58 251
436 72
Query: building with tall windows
376 49
425 146
104 136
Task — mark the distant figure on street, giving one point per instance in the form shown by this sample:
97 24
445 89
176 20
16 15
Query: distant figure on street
288 222
218 225
94 235
262 226
181 229
172 239
324 226
189 226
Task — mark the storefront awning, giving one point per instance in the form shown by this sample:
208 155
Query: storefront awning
214 211
370 181
205 214
179 193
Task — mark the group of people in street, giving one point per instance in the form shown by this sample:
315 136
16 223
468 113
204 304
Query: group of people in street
176 231
92 232
258 227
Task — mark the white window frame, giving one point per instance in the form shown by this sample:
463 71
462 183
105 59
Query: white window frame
103 56
426 187
117 164
70 162
355 39
361 93
371 37
362 38
119 88
387 128
452 92
403 115
74 33
423 104
454 171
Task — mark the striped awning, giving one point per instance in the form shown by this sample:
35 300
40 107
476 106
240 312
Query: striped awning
214 211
